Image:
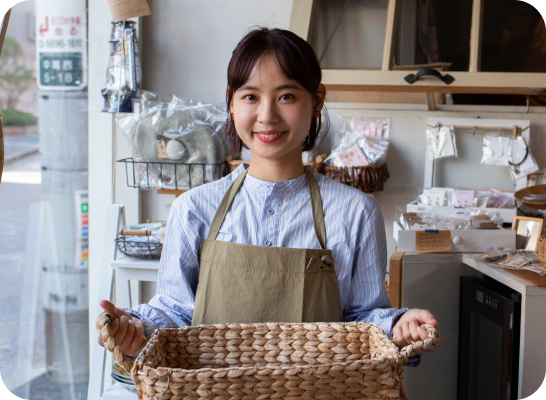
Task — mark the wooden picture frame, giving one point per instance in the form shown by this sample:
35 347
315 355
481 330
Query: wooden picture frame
534 226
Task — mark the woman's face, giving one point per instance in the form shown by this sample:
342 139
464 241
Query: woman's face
272 114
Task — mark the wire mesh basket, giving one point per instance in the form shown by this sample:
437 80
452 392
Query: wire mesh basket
171 175
145 249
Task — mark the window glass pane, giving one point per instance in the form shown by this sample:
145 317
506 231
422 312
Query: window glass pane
44 329
513 37
350 34
433 32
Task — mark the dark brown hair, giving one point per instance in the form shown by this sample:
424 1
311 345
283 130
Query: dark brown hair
296 60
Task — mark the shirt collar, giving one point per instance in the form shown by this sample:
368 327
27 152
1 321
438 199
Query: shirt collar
257 185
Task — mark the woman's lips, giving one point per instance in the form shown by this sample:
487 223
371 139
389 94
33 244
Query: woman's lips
269 136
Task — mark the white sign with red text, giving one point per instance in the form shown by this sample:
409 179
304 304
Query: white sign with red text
61 44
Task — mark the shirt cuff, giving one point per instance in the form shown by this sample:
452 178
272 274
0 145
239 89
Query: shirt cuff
395 317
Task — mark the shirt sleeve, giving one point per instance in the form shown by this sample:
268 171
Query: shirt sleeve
368 300
173 304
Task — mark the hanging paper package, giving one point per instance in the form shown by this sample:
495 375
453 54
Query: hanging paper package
124 74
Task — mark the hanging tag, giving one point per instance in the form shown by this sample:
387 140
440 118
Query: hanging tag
432 241
161 149
126 9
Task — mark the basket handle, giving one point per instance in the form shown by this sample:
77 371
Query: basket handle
103 326
430 343
134 232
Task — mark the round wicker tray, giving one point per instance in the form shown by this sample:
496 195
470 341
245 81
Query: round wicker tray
539 189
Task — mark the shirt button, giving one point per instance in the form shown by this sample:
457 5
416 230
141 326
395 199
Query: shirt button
267 243
270 187
270 212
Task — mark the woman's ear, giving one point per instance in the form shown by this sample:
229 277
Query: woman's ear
321 93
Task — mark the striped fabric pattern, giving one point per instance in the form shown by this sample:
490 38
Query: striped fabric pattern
279 215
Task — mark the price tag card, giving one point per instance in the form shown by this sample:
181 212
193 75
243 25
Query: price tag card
432 241
161 149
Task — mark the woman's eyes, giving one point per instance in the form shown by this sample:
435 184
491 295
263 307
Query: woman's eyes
284 97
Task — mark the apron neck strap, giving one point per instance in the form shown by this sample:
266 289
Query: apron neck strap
316 203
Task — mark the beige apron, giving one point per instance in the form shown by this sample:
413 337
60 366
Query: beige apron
240 283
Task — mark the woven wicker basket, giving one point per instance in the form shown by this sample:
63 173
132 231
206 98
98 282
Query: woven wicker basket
369 179
539 189
541 249
270 361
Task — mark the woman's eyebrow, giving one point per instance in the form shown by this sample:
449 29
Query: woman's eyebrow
281 87
287 86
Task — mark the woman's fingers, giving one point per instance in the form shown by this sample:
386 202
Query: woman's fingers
119 337
112 309
398 334
426 317
127 341
114 327
406 331
137 339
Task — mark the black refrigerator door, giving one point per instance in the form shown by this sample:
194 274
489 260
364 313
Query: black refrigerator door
489 326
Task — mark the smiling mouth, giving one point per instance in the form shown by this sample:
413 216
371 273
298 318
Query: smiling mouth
269 136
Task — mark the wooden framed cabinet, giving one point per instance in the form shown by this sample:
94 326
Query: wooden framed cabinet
387 63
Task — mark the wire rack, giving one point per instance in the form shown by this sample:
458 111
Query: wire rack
150 168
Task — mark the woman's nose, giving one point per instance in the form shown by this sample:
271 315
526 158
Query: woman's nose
267 113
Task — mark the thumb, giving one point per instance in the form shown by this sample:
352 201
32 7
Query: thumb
112 309
426 317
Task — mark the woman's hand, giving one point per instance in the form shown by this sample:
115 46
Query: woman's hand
408 328
126 330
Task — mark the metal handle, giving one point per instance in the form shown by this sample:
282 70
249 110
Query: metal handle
412 78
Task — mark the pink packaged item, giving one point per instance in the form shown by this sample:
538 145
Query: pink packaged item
368 129
353 157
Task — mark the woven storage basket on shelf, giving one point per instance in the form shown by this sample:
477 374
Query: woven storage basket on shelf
538 189
541 249
369 178
352 360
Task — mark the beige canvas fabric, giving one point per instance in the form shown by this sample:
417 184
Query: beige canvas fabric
241 283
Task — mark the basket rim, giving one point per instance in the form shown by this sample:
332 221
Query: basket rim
396 357
537 189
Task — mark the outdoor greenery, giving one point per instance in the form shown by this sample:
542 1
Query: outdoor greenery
17 118
15 77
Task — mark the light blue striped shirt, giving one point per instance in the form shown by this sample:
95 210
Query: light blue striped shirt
279 215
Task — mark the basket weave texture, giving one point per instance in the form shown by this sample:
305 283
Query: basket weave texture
538 189
541 249
273 361
369 178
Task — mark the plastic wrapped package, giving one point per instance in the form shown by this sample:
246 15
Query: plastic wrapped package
441 142
496 150
166 137
360 142
124 74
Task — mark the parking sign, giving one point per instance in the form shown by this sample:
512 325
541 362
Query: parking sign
61 44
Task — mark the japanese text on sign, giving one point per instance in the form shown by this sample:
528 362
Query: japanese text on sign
432 242
61 36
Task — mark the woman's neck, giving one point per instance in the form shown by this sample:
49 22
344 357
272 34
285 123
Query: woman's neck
277 170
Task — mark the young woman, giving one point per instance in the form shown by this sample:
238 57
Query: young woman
274 240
